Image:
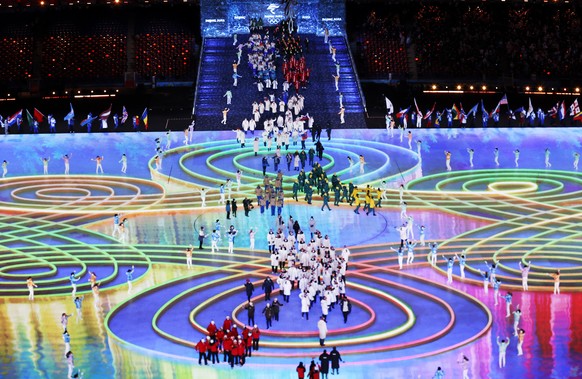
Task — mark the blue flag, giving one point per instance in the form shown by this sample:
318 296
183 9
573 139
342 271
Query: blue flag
473 110
71 114
88 120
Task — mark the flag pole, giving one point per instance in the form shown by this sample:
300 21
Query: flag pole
402 176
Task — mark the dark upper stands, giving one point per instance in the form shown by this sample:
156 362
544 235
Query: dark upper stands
472 39
85 48
379 47
92 45
164 48
16 51
429 40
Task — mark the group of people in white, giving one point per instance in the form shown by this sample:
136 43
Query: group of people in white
312 265
279 116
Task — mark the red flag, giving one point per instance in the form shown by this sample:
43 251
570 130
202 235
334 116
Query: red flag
38 116
457 111
418 112
427 115
144 118
402 112
124 115
574 108
105 114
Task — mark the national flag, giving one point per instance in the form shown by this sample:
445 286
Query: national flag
29 118
144 118
483 108
519 110
530 109
457 111
12 119
429 113
578 116
503 101
496 110
553 113
462 115
402 112
71 114
418 112
124 115
389 106
562 111
88 120
38 116
473 110
574 108
105 114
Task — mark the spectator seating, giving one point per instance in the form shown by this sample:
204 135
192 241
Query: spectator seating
81 49
16 51
164 49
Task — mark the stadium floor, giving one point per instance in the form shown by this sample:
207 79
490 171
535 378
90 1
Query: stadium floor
404 323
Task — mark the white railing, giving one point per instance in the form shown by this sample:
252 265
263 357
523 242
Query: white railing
356 75
198 75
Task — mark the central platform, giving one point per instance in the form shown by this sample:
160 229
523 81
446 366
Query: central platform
404 322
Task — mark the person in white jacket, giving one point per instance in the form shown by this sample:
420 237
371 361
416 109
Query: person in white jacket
305 303
322 327
286 290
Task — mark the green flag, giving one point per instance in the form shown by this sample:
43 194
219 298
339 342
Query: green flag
29 118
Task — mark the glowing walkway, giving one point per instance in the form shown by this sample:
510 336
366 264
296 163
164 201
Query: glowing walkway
404 322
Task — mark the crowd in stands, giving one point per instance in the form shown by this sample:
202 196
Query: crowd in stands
77 49
16 47
164 49
381 46
84 46
473 40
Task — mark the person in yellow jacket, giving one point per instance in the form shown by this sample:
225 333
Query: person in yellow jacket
371 206
379 192
367 199
356 201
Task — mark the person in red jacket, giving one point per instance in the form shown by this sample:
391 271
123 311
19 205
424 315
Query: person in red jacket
201 349
249 344
233 332
241 352
227 324
233 353
213 350
227 349
245 332
300 371
256 336
211 328
220 337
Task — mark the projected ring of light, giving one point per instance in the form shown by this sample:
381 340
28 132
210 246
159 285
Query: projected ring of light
48 250
531 216
78 194
405 334
535 217
224 158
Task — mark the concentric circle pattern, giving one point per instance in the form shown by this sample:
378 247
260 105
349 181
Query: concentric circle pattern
78 194
384 162
399 325
531 215
49 248
535 217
